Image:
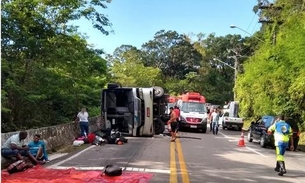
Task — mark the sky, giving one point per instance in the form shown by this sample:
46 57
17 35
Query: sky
135 22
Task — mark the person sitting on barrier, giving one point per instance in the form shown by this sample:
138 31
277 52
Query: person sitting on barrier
38 148
15 147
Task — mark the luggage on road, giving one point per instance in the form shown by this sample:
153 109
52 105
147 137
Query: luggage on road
113 170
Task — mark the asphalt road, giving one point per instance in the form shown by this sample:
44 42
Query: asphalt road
194 157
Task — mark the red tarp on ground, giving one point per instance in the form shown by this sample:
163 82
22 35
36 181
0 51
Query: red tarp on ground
40 174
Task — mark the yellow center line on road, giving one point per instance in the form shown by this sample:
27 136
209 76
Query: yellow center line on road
183 169
173 169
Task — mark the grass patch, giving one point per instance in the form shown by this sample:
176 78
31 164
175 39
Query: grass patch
68 149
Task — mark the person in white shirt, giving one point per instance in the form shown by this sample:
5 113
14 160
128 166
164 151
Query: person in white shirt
16 147
83 122
214 120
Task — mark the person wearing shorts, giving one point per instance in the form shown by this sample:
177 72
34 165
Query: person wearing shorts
177 111
173 123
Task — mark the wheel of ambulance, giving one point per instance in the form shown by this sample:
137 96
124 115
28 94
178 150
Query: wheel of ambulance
159 127
204 129
159 92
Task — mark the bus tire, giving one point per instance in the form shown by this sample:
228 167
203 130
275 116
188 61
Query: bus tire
159 92
159 126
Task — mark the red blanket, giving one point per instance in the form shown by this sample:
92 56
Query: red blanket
39 174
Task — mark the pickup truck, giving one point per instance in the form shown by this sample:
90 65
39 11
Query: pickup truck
230 122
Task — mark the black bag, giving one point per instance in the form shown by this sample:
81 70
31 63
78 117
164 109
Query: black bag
113 170
101 134
114 136
123 139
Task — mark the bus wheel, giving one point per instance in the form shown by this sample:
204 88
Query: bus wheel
159 92
159 127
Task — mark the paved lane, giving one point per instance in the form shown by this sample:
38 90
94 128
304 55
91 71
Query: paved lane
150 155
194 157
219 159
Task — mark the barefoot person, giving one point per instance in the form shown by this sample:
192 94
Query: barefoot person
15 147
177 111
38 148
173 123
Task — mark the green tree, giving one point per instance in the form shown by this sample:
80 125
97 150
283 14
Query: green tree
273 81
172 53
129 70
48 70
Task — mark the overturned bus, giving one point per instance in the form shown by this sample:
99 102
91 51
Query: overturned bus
134 111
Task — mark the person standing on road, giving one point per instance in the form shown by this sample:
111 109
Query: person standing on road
214 120
210 118
173 123
281 132
177 111
83 122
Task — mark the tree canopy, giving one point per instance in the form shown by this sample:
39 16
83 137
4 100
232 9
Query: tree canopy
48 70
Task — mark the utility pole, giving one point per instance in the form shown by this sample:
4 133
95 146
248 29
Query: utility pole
236 64
272 11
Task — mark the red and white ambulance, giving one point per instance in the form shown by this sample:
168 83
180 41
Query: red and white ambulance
193 111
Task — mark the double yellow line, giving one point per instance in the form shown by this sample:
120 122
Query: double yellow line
176 147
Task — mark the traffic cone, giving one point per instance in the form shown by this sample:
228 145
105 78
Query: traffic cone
241 142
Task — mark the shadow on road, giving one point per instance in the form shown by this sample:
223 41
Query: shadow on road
233 166
188 137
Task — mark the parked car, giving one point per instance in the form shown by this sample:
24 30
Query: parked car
258 131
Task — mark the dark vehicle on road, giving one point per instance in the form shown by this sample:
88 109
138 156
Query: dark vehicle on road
258 131
296 133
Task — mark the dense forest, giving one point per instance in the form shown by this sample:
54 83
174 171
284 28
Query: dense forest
49 71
